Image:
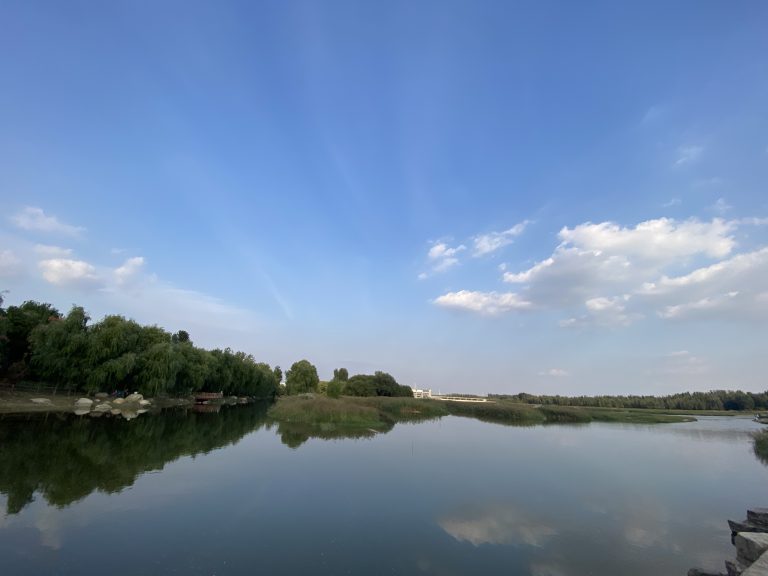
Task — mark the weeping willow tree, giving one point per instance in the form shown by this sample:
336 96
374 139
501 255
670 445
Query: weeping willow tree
120 354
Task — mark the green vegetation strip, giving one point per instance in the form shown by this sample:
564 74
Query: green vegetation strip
381 413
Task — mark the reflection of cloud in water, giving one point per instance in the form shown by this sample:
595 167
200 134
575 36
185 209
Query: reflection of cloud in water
646 524
49 525
504 525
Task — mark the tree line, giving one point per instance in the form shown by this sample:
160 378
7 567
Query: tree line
68 352
302 378
38 343
713 400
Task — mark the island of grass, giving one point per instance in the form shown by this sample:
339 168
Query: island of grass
380 413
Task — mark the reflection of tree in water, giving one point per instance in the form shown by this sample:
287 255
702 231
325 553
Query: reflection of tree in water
66 458
294 434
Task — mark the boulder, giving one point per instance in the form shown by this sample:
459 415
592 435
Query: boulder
759 568
118 401
106 407
135 397
144 402
82 411
41 400
745 527
734 568
758 516
114 411
101 396
84 403
750 546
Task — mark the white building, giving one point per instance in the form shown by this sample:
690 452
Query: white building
422 393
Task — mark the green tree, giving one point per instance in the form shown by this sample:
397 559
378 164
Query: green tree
301 378
335 388
59 351
340 374
21 320
278 373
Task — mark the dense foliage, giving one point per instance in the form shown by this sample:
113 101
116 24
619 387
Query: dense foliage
38 343
378 384
301 378
714 400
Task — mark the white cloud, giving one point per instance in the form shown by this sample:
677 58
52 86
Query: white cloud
598 259
720 302
485 303
607 275
688 154
35 219
500 525
488 243
672 202
612 311
129 271
64 271
729 288
554 373
662 239
441 258
10 264
48 251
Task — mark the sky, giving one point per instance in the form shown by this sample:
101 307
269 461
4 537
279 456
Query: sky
479 197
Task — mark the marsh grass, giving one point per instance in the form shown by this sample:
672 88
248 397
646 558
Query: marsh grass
320 416
317 410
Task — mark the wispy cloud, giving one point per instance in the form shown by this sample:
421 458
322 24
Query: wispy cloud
442 257
36 220
485 303
682 362
721 206
52 251
491 242
10 264
554 373
688 154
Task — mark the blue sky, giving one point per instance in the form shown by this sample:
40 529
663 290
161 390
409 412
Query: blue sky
550 197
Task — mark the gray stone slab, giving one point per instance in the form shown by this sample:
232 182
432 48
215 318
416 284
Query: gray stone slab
758 516
750 546
759 568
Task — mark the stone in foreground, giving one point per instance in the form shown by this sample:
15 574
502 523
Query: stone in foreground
759 568
758 516
750 546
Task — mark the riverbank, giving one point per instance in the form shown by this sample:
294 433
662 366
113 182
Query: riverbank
14 402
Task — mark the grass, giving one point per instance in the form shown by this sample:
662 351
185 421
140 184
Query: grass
320 410
379 413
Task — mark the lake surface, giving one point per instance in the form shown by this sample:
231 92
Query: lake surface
223 494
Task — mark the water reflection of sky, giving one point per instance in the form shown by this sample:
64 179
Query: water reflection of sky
450 497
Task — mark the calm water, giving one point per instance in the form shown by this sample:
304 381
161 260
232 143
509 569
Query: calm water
223 494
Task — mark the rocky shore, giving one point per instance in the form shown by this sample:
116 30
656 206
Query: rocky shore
750 537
